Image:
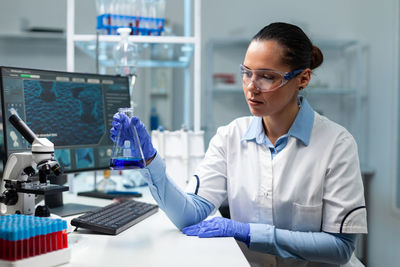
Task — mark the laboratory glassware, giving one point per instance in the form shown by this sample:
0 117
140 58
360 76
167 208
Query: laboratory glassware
125 58
125 54
107 183
127 152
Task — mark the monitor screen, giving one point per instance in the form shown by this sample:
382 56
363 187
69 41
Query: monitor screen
72 110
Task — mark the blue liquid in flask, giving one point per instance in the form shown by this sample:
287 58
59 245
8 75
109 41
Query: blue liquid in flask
126 163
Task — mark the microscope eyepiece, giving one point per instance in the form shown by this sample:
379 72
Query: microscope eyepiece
56 169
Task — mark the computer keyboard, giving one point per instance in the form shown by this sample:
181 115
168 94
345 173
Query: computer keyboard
116 217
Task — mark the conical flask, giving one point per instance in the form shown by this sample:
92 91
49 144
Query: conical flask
127 152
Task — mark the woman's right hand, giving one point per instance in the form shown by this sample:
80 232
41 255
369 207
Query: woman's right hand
122 123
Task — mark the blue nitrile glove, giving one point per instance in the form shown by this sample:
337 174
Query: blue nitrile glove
121 122
219 227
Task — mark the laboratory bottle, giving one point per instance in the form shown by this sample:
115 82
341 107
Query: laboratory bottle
133 13
152 16
113 21
100 9
124 13
107 183
117 15
101 16
160 16
143 19
154 119
161 9
125 54
127 152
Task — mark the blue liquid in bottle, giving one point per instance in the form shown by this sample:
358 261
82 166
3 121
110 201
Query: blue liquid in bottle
126 163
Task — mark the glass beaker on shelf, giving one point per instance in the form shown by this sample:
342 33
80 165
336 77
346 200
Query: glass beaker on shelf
127 152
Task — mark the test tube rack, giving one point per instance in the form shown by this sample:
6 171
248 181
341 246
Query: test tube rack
32 241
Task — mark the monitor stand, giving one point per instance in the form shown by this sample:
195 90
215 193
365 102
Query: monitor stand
110 195
56 205
70 209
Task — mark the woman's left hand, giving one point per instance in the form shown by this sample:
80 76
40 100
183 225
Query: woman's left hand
220 227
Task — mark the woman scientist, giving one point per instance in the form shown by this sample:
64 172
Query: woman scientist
291 176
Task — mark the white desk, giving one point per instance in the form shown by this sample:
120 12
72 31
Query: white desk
152 242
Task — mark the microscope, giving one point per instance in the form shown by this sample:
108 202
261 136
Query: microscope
26 174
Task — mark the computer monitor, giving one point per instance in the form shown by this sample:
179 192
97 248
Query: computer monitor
72 110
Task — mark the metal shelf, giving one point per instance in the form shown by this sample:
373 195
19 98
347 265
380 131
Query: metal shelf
223 90
179 59
135 39
33 36
330 91
321 43
335 44
308 91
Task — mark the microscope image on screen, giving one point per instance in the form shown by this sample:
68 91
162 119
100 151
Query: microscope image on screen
15 140
84 158
63 157
48 93
14 137
65 113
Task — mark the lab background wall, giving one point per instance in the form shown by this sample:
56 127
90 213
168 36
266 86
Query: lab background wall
374 23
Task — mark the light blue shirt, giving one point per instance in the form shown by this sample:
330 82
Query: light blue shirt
300 129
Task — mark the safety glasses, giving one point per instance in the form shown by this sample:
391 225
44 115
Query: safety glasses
266 80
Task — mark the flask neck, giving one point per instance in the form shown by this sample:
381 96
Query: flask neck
124 33
124 37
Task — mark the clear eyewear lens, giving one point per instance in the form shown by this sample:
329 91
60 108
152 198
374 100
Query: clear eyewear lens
263 80
266 80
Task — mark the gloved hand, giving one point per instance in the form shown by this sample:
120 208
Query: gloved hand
219 226
122 122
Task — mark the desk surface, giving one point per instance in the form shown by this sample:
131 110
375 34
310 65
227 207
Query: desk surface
152 242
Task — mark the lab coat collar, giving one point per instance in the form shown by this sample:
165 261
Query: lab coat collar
300 129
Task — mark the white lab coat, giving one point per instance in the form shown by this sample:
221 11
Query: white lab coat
303 188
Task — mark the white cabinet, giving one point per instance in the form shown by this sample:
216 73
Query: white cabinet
153 71
337 89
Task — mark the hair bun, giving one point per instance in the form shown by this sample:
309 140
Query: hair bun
316 58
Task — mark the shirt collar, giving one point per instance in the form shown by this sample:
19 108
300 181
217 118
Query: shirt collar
300 129
255 132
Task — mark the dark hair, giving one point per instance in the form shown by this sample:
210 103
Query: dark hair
300 52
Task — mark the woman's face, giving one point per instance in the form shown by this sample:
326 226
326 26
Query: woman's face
268 55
